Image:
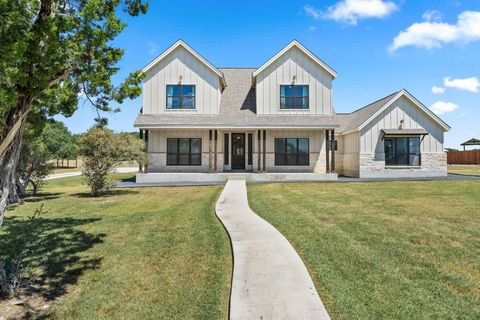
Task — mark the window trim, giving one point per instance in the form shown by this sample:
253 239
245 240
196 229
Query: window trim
181 97
294 96
297 164
408 154
177 153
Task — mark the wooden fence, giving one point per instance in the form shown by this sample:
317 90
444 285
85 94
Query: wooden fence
463 157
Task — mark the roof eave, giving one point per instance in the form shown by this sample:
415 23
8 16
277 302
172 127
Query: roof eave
233 126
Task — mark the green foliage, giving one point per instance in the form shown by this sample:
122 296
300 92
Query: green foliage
102 150
54 51
34 165
59 142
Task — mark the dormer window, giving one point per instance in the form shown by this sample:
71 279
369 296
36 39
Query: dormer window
294 96
180 96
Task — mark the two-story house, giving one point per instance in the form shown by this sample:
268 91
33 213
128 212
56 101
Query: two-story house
277 120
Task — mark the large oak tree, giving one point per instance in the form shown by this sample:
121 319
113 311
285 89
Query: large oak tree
52 52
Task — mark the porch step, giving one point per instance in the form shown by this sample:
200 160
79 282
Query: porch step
236 176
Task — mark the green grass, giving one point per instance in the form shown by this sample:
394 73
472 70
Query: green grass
146 253
472 170
393 250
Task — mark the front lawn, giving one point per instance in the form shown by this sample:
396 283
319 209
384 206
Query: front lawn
146 253
389 250
470 170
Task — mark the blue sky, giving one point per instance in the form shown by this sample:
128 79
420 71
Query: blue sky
361 39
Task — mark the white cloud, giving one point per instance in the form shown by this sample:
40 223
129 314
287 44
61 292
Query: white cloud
312 12
469 84
438 90
434 34
153 48
432 15
350 11
441 107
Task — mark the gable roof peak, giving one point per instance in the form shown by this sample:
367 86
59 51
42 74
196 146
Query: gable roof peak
298 45
181 43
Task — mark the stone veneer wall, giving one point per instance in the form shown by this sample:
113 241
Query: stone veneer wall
350 164
373 166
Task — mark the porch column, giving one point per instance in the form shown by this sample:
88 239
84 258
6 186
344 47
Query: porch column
259 150
210 150
140 166
144 136
327 150
333 151
215 152
264 150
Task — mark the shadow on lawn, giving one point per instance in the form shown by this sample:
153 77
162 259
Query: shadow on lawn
110 193
42 196
56 248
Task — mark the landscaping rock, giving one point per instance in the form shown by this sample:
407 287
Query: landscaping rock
17 302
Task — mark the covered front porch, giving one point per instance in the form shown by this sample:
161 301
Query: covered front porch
287 154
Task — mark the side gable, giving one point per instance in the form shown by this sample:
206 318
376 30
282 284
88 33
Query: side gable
181 43
416 102
308 53
360 118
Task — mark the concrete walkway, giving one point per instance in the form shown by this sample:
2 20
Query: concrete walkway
78 173
270 280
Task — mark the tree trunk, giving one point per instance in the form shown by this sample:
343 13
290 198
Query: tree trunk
8 165
9 156
34 188
21 188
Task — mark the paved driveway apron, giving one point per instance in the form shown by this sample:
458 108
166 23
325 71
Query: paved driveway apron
270 280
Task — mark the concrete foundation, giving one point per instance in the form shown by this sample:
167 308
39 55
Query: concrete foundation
222 177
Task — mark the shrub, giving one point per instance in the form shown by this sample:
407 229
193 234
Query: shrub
102 150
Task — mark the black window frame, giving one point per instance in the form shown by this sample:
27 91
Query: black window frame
282 159
294 97
180 97
397 159
177 154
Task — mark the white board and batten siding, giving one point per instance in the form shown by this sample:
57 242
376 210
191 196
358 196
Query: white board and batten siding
294 63
178 63
413 118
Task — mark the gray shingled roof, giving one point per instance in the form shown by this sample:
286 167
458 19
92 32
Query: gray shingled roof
237 109
354 120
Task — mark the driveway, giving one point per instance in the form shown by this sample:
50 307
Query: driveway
270 280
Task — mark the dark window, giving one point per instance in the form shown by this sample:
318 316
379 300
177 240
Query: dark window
293 96
225 149
250 149
184 152
180 96
402 151
292 152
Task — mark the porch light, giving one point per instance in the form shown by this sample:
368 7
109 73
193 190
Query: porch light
294 79
180 79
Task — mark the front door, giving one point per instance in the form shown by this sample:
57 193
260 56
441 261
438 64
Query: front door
238 151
